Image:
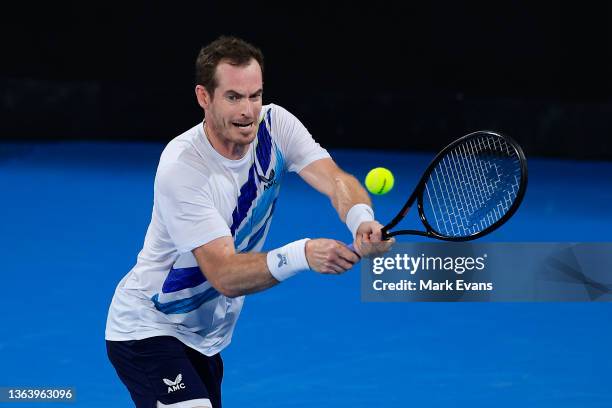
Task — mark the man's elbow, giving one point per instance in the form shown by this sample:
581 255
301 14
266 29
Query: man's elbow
229 292
225 288
218 273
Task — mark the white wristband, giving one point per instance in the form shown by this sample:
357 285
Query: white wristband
356 215
289 260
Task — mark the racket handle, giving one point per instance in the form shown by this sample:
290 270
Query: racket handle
352 248
384 235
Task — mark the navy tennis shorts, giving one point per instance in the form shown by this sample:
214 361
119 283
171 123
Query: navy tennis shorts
163 372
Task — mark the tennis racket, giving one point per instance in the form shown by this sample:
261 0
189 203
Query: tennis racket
471 188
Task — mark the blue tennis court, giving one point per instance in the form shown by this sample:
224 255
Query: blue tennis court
73 220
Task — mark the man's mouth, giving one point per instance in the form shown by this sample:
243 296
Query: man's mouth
246 125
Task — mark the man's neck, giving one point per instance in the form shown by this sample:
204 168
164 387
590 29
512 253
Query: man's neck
229 150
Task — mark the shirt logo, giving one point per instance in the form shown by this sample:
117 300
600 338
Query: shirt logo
282 260
175 385
268 181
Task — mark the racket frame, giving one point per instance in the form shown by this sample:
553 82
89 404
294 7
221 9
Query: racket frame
417 195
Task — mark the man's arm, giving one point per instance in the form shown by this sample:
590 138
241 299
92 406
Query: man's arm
345 191
230 273
235 274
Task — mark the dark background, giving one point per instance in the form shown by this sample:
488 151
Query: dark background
409 76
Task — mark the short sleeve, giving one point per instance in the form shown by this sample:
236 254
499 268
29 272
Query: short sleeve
186 208
297 144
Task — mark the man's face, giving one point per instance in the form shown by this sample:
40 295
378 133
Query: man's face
234 110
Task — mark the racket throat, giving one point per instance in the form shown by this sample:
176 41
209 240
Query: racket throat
385 230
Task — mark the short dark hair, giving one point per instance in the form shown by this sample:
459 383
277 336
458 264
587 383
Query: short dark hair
227 49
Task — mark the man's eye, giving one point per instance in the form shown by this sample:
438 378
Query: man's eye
233 98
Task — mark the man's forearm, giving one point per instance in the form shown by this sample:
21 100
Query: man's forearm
347 193
242 274
235 274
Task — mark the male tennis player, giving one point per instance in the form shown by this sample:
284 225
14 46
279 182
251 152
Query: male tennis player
214 195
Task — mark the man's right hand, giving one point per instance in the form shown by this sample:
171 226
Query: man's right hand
329 256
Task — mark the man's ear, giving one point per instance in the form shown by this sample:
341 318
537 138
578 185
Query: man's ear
203 96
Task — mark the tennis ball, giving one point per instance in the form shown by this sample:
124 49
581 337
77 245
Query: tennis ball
379 181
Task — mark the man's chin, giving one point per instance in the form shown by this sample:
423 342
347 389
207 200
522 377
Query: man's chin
245 138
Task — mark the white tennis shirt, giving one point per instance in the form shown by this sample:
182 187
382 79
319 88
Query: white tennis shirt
199 196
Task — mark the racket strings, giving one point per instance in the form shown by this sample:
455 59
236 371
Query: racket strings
473 186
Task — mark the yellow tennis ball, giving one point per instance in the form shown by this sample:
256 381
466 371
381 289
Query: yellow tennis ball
379 181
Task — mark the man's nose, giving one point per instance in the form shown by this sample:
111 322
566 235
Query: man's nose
247 108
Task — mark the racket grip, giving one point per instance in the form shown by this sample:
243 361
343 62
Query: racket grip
384 235
352 248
